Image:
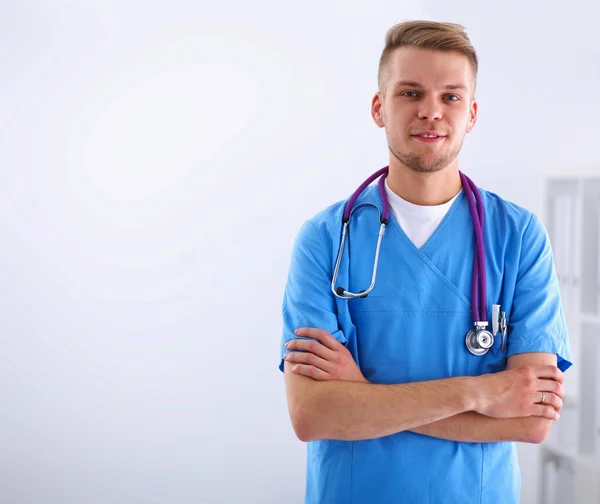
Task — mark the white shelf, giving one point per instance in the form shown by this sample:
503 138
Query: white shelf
578 317
590 319
558 450
568 477
579 459
571 454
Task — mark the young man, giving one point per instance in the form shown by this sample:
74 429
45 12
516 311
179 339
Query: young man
395 403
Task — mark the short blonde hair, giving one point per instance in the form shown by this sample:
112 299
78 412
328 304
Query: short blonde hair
426 35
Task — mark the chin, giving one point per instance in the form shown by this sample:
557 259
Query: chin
428 162
427 169
420 165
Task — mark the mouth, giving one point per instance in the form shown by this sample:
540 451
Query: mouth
429 138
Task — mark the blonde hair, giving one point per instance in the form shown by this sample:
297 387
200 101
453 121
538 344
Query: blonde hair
426 35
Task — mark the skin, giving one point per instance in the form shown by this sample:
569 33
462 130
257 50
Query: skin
416 98
328 397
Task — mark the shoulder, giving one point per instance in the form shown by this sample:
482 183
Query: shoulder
498 207
327 222
509 219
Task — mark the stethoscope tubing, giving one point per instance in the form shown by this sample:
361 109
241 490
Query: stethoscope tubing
479 280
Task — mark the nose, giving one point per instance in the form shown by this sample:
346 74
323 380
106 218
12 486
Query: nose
430 108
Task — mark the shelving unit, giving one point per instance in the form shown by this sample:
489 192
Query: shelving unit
570 457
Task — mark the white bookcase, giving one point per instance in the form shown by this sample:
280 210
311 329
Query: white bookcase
571 454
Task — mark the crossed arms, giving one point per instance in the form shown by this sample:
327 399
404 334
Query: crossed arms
328 398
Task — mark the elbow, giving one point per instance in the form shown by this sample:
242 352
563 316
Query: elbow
303 433
538 431
302 423
306 398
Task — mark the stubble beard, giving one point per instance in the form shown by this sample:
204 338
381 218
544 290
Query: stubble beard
419 164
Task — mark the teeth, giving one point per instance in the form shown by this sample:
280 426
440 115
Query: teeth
429 136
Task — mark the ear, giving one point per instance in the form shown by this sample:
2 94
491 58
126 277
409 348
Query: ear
472 116
377 110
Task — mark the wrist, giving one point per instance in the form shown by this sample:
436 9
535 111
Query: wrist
471 393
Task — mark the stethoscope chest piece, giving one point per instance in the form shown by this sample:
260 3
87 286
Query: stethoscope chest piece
479 340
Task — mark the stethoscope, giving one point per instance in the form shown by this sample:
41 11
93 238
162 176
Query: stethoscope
478 340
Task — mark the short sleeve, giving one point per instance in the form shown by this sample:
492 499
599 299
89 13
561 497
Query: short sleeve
537 321
308 300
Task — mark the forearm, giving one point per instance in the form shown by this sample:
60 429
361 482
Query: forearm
354 411
472 427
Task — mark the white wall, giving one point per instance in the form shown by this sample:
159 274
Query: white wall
156 163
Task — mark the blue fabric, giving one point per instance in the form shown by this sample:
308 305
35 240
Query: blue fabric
412 328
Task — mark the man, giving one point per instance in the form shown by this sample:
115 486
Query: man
394 406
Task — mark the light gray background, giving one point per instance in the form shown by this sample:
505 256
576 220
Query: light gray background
156 162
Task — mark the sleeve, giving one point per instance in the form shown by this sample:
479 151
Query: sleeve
308 300
537 322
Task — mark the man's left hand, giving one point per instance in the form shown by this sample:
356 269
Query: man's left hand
324 359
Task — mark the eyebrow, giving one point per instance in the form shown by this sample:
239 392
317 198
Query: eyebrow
420 86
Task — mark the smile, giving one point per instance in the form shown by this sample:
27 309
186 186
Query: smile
428 138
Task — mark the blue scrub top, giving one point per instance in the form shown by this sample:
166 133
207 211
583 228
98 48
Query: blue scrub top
412 328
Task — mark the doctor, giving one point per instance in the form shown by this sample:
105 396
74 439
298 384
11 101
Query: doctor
393 405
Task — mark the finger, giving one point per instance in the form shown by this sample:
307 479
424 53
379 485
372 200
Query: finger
320 335
310 346
550 373
308 358
310 371
550 399
553 400
543 410
551 386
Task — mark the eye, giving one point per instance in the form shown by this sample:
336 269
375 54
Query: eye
405 93
453 97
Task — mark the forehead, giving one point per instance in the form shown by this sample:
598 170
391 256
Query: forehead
432 69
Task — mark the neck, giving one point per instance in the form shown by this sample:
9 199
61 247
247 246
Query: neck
425 189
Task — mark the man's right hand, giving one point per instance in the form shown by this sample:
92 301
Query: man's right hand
522 392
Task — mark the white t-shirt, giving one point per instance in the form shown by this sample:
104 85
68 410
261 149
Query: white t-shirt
418 222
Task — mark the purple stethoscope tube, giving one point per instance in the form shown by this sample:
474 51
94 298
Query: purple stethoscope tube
478 340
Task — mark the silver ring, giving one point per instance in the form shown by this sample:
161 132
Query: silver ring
543 397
